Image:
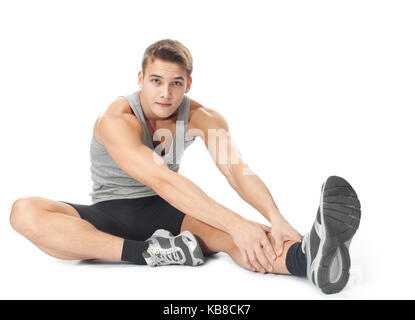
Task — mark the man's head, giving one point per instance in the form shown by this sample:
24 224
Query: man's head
165 77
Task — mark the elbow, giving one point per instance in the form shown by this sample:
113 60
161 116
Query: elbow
241 170
233 173
231 180
232 177
237 177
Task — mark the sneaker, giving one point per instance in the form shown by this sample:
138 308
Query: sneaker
326 246
165 249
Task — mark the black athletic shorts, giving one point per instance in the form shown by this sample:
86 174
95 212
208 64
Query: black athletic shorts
134 219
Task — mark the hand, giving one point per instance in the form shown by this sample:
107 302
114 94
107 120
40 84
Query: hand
282 231
252 241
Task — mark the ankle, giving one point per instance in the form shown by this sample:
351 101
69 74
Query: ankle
296 262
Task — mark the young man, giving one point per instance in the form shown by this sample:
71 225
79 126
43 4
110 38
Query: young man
145 212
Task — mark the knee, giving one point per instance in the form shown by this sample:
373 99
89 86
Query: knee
24 215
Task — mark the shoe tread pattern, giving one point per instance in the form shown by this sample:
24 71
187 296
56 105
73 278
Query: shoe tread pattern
342 212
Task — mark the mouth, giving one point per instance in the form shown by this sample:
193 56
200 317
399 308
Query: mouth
165 105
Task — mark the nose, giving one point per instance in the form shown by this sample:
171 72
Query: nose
165 92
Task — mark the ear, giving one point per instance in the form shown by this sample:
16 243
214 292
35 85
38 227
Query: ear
189 84
141 79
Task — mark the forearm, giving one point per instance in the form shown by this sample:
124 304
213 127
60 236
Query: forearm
253 190
187 197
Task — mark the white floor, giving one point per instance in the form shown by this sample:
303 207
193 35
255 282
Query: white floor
28 274
378 272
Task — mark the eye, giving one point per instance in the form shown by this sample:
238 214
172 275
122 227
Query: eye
155 80
177 83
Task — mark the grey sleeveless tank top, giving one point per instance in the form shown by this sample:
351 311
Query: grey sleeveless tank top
110 182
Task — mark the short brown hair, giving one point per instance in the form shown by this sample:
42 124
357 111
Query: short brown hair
169 50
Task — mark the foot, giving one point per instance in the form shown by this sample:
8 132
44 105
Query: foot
326 246
165 249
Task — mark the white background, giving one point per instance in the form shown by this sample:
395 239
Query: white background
309 89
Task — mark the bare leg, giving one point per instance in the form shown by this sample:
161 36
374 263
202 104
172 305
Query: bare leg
213 240
57 229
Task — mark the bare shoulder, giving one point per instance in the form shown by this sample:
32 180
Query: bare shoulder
204 118
117 112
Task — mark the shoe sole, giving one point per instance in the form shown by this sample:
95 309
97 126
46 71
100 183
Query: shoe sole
340 219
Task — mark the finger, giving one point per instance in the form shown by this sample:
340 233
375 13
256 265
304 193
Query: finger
265 227
254 262
294 236
278 245
246 262
266 243
261 257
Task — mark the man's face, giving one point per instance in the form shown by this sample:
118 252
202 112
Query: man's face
163 86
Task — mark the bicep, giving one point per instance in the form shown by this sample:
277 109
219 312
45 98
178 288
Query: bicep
122 139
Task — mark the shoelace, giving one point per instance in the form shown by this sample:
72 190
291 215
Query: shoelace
166 256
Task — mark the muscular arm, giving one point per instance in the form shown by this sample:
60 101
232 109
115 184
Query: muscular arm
186 196
248 185
252 189
228 159
122 137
